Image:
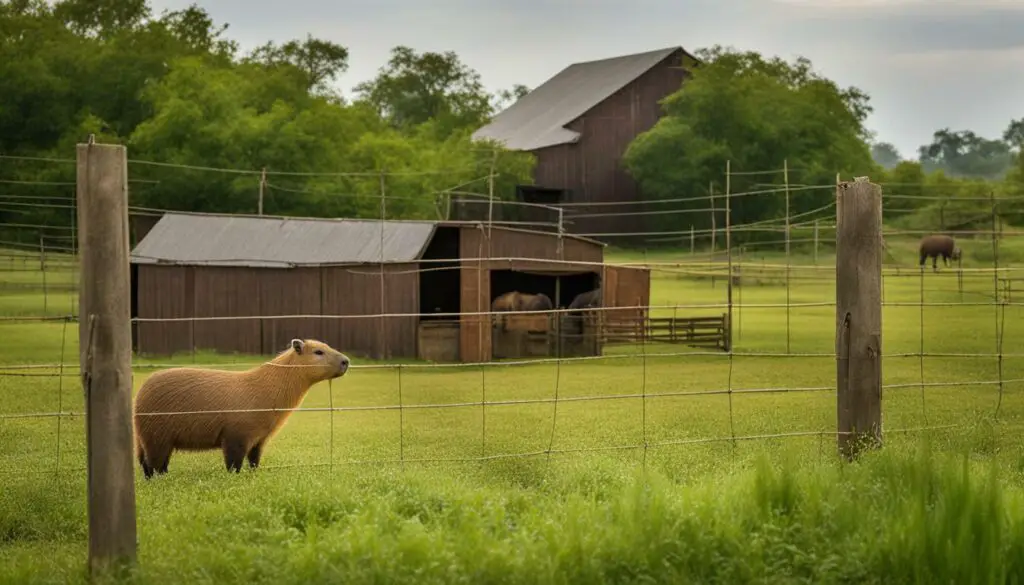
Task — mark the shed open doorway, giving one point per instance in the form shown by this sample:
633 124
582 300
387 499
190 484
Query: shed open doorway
440 297
545 335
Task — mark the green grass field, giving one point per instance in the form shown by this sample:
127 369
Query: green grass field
464 494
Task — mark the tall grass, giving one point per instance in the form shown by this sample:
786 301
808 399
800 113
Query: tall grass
893 518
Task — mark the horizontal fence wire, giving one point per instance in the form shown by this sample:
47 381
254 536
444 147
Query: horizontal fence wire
721 264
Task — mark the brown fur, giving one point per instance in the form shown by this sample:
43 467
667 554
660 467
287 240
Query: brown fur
517 301
281 384
937 245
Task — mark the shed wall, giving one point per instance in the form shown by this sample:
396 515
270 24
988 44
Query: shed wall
374 337
284 291
228 292
204 291
165 292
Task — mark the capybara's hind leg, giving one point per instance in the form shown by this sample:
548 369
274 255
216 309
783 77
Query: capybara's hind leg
234 453
147 471
254 455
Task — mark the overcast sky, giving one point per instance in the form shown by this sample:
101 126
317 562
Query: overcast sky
927 64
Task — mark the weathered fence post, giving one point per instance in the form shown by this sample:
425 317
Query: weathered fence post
105 352
858 316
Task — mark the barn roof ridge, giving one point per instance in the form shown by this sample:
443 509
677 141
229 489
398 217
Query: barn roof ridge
538 119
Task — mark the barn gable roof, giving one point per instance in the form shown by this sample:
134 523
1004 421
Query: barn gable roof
254 241
538 119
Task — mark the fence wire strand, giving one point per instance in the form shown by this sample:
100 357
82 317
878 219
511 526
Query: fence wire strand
60 241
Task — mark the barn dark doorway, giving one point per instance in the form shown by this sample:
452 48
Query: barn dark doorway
551 335
542 218
560 288
133 277
441 279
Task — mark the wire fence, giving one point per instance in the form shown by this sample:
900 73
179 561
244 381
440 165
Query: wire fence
727 345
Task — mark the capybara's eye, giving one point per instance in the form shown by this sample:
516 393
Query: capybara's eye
319 352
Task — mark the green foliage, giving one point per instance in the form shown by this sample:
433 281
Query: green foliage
965 154
175 91
413 89
886 155
755 113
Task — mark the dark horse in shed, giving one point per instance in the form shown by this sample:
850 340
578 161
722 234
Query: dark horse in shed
583 301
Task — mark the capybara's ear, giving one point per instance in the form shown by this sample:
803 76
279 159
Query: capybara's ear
297 345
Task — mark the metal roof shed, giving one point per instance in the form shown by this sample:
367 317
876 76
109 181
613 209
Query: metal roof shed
253 272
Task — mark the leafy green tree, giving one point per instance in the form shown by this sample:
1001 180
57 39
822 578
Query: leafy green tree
318 60
174 89
756 113
965 154
1014 134
414 88
885 154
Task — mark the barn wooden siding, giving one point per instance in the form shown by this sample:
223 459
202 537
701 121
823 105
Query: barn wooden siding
206 291
592 168
475 330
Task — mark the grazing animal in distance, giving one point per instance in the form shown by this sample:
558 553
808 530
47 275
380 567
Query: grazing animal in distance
261 398
937 245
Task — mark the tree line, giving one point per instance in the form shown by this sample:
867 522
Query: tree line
763 116
178 91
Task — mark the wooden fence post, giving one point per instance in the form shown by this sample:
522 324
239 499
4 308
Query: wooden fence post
858 316
105 352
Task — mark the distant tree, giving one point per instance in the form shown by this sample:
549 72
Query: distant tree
506 97
416 87
885 154
965 154
101 18
1014 134
319 60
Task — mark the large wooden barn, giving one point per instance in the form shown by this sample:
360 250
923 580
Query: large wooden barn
431 282
579 123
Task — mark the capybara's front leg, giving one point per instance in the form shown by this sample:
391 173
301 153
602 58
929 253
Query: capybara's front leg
254 455
234 453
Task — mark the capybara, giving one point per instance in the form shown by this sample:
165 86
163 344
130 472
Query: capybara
273 389
938 245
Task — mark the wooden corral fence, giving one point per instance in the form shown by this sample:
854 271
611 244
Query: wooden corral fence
568 335
545 335
691 331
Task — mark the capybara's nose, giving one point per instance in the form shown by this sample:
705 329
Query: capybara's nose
344 363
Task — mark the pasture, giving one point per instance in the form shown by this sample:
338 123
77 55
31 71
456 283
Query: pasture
699 467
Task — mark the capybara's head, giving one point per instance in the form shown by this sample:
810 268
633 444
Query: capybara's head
956 253
318 360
